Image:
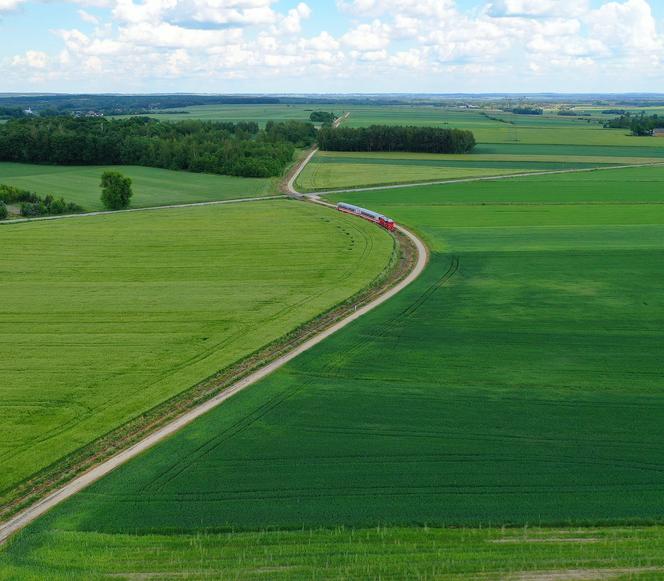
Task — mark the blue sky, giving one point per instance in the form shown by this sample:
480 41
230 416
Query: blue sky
362 46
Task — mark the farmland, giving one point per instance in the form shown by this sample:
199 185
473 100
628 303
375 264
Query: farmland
386 553
107 316
333 170
152 186
502 348
512 393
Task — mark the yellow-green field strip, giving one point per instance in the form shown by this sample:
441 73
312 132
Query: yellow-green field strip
479 178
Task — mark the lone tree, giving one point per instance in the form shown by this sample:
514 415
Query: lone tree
115 190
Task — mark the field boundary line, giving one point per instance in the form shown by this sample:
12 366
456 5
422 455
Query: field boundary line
146 209
467 180
72 487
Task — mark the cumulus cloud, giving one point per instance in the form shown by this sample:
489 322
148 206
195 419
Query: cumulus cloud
538 8
629 25
33 59
384 39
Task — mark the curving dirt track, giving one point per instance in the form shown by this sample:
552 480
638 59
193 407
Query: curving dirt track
33 512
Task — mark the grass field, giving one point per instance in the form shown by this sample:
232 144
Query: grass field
105 317
383 553
336 170
152 186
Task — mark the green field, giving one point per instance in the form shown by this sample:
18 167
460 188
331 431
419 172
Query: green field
517 383
152 186
385 553
107 316
336 170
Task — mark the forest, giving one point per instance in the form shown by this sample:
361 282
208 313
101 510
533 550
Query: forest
238 149
396 138
640 125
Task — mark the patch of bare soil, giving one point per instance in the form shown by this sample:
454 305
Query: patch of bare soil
578 574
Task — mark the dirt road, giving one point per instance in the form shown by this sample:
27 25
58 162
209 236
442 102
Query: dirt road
147 209
33 512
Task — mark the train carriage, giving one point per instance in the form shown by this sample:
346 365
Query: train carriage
374 217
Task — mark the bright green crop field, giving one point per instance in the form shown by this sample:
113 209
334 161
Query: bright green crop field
336 170
152 186
530 554
517 382
104 317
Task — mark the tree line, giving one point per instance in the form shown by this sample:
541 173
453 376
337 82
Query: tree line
525 110
239 149
640 125
33 205
324 117
396 138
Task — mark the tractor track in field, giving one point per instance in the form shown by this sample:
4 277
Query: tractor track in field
369 300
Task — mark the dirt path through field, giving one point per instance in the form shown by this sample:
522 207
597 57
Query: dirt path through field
147 209
28 515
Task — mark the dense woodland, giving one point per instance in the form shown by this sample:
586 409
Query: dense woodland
239 149
396 138
641 125
325 117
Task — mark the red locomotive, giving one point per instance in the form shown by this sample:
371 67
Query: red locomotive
375 217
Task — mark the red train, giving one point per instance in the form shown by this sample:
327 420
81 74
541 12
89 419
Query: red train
375 217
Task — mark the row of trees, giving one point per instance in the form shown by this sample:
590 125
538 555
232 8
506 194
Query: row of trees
396 138
33 205
640 125
239 149
526 110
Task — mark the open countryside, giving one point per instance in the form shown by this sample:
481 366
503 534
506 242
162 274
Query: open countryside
334 335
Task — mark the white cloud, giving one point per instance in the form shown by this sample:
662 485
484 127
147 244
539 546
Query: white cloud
165 35
368 37
628 26
538 8
435 41
292 22
87 17
9 5
34 59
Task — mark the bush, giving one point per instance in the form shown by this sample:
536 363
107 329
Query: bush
3 211
32 205
116 190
